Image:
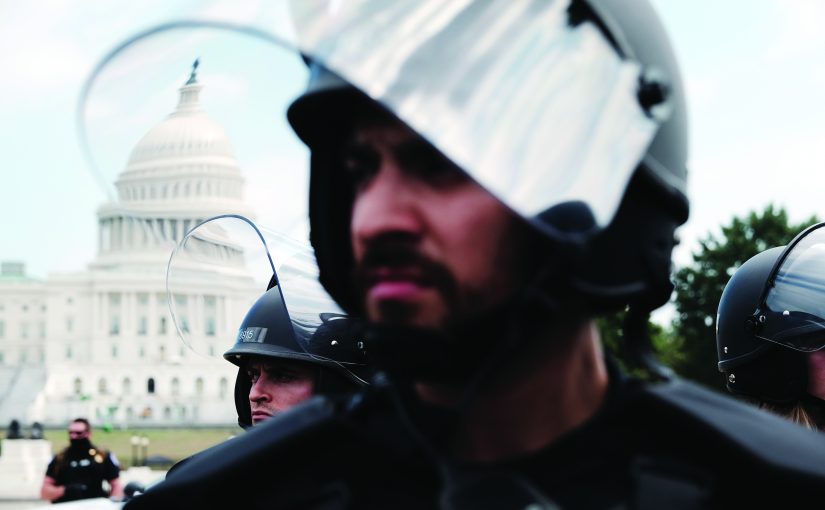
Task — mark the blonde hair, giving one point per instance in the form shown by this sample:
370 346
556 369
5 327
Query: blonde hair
796 413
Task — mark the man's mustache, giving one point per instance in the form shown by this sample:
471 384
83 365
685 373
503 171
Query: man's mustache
405 257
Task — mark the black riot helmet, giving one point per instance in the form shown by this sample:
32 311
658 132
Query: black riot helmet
329 341
771 314
754 367
611 197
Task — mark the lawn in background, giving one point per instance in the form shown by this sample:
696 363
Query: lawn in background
175 444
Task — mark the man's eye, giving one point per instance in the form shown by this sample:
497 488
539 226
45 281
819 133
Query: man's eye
282 376
430 166
360 165
253 375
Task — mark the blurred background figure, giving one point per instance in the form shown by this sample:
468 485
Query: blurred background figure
13 432
771 330
37 431
78 472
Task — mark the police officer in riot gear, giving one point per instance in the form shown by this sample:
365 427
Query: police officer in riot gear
276 371
769 337
293 341
496 175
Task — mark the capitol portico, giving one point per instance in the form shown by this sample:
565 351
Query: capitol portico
101 342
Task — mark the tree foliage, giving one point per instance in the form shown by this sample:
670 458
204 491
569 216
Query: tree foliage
700 285
612 336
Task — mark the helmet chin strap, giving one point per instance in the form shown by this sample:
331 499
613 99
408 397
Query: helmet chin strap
242 387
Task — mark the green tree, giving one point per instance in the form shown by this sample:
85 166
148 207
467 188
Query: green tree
667 351
699 286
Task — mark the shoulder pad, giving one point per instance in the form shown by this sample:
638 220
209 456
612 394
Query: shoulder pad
758 435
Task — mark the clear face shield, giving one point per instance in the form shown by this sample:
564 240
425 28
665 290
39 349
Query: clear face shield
792 312
532 103
216 279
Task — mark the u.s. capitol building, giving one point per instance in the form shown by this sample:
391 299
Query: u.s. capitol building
101 342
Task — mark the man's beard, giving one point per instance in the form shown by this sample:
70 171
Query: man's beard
454 301
447 346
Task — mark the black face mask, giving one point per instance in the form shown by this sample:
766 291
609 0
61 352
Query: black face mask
80 444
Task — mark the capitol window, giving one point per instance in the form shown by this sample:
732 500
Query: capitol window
69 352
114 325
114 351
224 384
114 313
175 387
150 386
209 313
101 386
69 324
2 329
78 386
127 386
182 311
143 325
199 386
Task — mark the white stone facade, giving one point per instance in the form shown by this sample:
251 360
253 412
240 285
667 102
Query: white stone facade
101 343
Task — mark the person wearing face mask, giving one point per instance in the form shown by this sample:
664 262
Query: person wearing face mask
79 470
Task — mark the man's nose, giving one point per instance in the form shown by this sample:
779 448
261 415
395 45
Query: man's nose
387 204
258 391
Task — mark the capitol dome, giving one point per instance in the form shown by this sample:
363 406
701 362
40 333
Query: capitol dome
180 173
186 157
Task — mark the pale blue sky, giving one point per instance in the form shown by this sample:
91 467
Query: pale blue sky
754 72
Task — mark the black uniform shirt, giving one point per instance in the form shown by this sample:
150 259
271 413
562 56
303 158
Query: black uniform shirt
86 468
